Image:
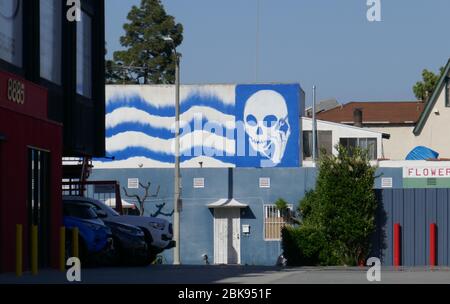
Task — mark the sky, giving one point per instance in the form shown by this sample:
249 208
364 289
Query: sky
327 43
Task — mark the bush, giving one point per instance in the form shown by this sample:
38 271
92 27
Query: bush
303 245
338 217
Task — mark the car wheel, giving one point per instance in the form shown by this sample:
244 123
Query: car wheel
151 256
118 254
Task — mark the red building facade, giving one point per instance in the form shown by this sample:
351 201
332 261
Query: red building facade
52 105
30 162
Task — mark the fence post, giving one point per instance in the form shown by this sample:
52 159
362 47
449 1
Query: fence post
433 244
34 250
397 245
75 243
19 250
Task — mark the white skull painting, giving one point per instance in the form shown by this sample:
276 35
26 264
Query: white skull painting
267 125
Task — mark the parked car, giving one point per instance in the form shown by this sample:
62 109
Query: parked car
129 244
158 232
95 238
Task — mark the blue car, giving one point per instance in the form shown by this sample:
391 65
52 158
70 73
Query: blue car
95 238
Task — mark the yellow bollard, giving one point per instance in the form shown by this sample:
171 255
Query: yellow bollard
19 250
34 250
75 243
62 249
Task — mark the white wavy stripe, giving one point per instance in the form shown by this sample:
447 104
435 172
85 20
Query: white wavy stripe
197 138
143 162
130 114
164 95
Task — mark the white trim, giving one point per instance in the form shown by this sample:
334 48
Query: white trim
342 125
227 203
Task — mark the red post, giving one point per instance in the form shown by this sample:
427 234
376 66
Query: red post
433 244
397 244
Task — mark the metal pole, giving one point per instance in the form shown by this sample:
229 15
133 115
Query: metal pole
258 16
177 200
314 126
34 250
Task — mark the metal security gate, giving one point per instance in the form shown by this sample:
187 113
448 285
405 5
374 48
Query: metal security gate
414 210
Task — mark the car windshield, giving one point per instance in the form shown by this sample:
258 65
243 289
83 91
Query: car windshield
109 210
80 211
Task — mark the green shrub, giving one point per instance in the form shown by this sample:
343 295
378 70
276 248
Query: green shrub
303 245
338 217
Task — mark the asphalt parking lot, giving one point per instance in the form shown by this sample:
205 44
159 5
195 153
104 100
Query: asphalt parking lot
166 274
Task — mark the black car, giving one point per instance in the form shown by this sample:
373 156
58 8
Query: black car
129 243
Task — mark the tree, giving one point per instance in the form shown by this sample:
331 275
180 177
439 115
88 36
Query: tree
423 89
286 213
148 56
338 217
283 207
118 74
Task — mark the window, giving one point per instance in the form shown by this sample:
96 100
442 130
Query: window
84 55
39 199
50 40
11 31
370 144
82 211
274 221
324 143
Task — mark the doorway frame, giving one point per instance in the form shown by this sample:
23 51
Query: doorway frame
216 239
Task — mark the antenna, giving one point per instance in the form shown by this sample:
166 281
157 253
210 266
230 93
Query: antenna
258 17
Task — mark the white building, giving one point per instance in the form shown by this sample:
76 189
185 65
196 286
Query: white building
331 134
410 124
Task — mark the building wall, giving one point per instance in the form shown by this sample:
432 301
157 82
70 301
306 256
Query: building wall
220 125
401 142
414 210
83 118
197 235
434 134
345 131
21 132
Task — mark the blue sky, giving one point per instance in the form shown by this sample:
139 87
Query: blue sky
328 43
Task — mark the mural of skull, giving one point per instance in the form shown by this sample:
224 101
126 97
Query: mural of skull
267 124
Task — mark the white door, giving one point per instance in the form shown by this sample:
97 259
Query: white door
227 238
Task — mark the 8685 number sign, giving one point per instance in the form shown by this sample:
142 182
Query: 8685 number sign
16 91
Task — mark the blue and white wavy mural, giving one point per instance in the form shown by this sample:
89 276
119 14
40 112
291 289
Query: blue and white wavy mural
221 126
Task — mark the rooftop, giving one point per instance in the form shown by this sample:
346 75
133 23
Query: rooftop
376 112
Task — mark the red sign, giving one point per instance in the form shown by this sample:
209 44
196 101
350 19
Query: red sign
421 172
22 96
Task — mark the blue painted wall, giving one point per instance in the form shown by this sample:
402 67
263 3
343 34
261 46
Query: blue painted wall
217 125
255 104
197 220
